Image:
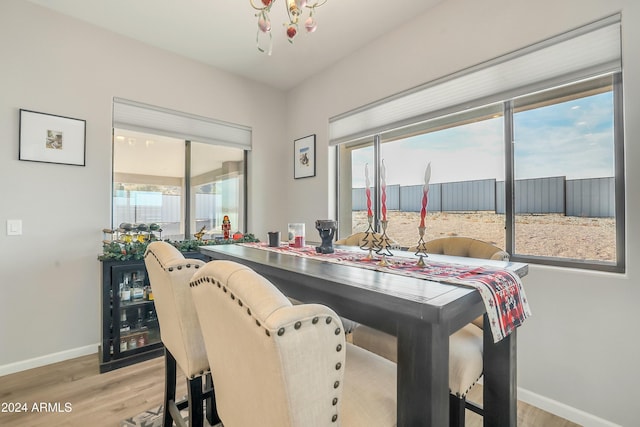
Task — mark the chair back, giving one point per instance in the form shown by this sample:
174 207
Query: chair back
358 239
466 247
274 364
169 274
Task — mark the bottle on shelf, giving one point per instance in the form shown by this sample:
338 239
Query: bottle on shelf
137 291
139 320
142 340
124 324
125 294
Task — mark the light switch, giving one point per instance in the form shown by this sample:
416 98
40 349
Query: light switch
14 227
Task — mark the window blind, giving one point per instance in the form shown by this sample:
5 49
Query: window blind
140 117
588 51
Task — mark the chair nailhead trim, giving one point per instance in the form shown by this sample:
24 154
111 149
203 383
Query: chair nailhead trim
297 325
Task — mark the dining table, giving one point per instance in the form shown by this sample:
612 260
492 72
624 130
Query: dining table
421 313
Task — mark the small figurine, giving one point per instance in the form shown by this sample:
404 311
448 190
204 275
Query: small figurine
226 227
200 233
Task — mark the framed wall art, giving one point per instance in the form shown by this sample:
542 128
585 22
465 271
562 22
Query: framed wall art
52 139
304 157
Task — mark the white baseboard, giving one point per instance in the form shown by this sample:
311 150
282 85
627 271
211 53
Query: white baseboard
47 359
565 411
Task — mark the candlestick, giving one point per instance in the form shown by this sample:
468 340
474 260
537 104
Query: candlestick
421 250
369 242
383 245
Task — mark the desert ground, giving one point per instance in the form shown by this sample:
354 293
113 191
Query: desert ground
547 235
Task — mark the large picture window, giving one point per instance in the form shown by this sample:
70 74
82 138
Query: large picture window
538 176
183 186
526 152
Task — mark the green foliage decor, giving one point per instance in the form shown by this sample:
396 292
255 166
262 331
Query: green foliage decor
117 251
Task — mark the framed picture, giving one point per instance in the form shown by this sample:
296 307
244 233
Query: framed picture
304 157
51 139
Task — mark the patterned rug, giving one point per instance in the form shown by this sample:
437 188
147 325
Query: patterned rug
153 418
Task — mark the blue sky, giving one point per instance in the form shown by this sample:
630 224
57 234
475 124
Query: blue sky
574 139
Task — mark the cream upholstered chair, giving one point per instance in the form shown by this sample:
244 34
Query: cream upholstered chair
466 247
465 345
275 364
357 239
465 362
169 274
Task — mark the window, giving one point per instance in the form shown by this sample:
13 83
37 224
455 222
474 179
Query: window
153 182
526 152
559 206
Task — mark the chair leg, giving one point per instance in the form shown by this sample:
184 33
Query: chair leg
210 401
196 418
456 411
169 387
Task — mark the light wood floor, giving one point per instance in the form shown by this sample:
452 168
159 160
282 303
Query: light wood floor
106 399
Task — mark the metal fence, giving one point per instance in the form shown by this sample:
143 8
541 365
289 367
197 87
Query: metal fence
164 209
592 197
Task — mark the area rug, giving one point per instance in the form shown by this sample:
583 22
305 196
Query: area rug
152 418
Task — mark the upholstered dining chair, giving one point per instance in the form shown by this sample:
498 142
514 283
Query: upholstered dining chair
465 345
275 364
169 275
357 239
465 247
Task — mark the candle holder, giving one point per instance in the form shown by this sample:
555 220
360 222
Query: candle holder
383 245
421 249
369 242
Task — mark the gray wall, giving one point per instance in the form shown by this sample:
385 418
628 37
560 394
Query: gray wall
49 276
575 355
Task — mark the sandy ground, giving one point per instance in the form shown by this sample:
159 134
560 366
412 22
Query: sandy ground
547 235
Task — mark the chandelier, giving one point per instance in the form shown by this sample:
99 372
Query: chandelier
295 9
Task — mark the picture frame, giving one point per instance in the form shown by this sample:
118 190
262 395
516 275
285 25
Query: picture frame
50 138
304 157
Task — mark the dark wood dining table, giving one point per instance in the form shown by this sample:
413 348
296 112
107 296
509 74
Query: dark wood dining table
421 313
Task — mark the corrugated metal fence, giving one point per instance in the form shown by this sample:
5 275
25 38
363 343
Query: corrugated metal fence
593 197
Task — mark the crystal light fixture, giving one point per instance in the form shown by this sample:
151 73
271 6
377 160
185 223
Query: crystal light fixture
295 9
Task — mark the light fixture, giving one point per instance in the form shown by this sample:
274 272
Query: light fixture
294 10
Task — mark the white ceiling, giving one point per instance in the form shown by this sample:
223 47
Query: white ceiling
222 33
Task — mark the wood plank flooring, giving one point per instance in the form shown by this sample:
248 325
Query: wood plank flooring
106 399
